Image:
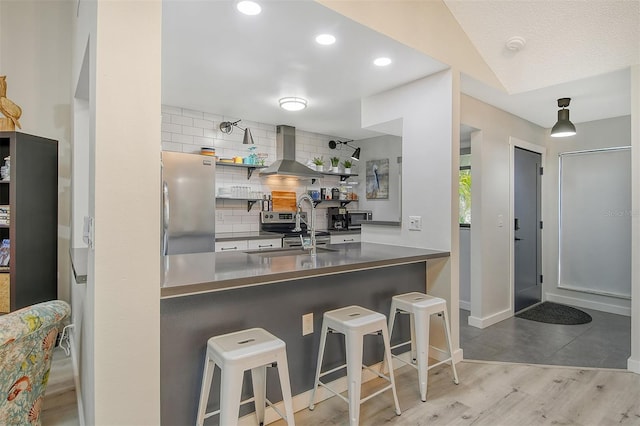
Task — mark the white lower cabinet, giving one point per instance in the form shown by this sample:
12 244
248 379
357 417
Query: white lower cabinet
341 239
236 245
264 244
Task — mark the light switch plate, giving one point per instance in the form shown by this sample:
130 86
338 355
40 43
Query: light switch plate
415 223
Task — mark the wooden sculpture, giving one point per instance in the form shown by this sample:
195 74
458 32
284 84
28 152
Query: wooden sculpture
10 110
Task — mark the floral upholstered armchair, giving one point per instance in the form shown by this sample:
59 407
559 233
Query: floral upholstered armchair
27 338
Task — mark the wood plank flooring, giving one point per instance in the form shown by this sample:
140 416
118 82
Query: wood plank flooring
495 394
489 393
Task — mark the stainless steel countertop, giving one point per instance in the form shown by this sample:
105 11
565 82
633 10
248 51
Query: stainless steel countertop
188 274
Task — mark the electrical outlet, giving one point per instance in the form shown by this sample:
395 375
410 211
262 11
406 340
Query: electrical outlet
307 324
500 221
415 223
219 216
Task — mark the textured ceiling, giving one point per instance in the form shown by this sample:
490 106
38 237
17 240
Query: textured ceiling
565 40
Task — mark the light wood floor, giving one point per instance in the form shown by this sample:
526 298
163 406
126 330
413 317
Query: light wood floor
492 394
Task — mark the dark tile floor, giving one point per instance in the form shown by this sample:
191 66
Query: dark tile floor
604 342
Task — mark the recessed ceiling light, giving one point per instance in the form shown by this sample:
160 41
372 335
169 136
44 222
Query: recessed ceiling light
325 39
293 104
382 62
249 7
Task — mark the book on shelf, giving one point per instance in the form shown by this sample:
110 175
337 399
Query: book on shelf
5 252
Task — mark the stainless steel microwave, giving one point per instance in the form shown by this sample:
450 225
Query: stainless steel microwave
355 218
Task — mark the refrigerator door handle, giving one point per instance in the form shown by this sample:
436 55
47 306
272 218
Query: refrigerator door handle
165 218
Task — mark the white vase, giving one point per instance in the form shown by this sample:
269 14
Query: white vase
347 170
335 169
319 167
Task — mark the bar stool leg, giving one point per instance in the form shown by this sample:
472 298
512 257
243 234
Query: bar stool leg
387 353
422 343
285 386
207 378
453 364
323 340
231 386
353 343
387 361
412 322
259 380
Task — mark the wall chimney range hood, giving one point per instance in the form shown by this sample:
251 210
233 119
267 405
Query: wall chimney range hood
286 164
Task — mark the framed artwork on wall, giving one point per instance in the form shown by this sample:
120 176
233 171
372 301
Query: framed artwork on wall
378 179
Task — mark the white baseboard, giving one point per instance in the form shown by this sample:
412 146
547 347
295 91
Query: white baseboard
588 304
463 304
490 320
633 365
301 401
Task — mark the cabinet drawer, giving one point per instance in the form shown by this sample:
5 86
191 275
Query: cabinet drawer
341 239
222 246
264 244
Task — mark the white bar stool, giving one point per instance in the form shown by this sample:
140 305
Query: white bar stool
234 353
420 307
354 322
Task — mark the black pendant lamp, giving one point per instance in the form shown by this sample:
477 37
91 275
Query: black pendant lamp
563 127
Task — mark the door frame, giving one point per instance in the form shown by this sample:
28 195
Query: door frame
519 143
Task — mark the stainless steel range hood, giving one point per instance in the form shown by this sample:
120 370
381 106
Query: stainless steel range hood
286 164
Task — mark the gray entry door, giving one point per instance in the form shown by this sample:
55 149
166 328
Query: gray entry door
527 225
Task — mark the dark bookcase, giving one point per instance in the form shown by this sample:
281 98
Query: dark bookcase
32 196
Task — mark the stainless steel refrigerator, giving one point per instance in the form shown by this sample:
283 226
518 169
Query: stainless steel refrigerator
188 203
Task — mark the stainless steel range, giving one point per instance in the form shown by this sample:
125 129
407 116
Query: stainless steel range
285 222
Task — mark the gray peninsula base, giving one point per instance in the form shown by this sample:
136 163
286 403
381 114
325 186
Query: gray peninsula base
188 322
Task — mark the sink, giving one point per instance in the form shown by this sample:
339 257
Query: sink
292 251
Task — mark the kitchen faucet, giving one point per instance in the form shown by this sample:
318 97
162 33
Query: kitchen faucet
312 224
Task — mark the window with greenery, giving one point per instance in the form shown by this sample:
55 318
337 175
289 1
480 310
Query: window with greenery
464 189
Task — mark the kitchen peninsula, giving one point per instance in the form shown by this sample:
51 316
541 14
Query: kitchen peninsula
208 294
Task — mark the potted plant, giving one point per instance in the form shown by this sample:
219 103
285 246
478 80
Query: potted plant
347 166
334 164
319 162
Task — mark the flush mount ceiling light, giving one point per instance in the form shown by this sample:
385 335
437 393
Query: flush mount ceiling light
248 7
293 104
227 127
563 127
356 153
325 39
382 61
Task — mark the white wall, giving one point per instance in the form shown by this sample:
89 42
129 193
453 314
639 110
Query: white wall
490 243
427 110
120 347
592 135
35 55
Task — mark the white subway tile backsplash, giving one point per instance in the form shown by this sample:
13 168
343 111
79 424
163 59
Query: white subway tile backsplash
168 109
192 113
212 117
185 121
176 137
200 141
165 136
171 128
203 124
171 146
193 131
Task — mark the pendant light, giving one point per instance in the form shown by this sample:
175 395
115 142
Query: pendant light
563 127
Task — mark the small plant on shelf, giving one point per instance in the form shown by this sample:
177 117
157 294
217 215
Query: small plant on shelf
319 162
347 166
335 161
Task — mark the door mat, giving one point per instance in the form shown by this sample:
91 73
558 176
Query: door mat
554 313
